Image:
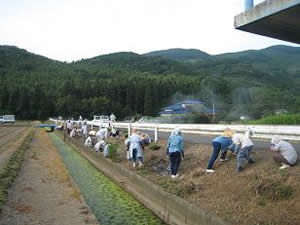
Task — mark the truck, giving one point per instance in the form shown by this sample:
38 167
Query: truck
7 119
102 121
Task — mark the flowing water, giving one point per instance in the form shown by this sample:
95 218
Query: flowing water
110 203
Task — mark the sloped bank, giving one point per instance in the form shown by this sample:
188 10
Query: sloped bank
170 208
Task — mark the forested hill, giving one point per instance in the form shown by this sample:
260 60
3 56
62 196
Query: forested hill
183 55
255 83
124 62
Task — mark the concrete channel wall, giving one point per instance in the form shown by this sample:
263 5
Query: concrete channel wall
170 208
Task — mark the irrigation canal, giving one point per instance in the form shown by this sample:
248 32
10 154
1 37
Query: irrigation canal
110 203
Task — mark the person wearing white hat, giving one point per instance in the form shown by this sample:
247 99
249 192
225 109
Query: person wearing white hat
88 142
283 152
135 149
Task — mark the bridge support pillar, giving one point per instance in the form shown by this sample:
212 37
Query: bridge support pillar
248 4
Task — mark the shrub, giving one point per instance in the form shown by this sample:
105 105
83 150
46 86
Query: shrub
154 147
112 151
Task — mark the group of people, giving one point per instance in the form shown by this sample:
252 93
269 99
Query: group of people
98 140
74 129
93 139
239 144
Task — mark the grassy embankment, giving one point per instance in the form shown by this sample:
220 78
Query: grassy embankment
12 167
286 119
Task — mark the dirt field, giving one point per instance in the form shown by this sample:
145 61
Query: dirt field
10 139
43 192
260 195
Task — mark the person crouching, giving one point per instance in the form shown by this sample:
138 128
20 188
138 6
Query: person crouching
283 152
175 151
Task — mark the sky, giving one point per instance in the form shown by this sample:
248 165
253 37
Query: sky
70 30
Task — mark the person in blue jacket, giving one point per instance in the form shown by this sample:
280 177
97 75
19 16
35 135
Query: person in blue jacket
175 151
220 143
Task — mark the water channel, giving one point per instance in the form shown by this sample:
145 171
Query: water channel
110 203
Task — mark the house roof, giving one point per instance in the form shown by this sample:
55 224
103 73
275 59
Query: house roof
174 107
180 111
191 101
180 108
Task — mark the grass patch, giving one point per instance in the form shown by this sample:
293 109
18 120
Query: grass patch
12 167
273 190
154 147
286 119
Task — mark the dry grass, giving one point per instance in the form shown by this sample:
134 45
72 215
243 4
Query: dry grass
24 209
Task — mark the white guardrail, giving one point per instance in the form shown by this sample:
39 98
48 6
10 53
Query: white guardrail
286 132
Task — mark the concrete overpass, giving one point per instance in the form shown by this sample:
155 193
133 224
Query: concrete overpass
278 19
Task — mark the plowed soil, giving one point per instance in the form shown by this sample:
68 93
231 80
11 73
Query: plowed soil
43 192
10 140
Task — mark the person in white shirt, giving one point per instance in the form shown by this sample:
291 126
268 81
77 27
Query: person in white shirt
127 144
112 117
245 146
88 142
84 130
105 151
283 152
102 134
73 132
99 145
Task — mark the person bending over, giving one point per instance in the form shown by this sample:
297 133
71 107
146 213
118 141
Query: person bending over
245 148
220 143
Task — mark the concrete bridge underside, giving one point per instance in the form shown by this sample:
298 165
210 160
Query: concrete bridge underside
278 19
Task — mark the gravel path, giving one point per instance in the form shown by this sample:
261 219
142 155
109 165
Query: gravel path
43 192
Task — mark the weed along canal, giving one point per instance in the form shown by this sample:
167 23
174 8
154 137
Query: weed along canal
110 203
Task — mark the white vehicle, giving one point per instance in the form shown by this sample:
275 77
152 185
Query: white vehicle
7 119
102 120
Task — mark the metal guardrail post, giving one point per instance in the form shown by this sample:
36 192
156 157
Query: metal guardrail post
248 4
129 129
155 133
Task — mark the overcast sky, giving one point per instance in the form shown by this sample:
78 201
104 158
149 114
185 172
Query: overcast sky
69 30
